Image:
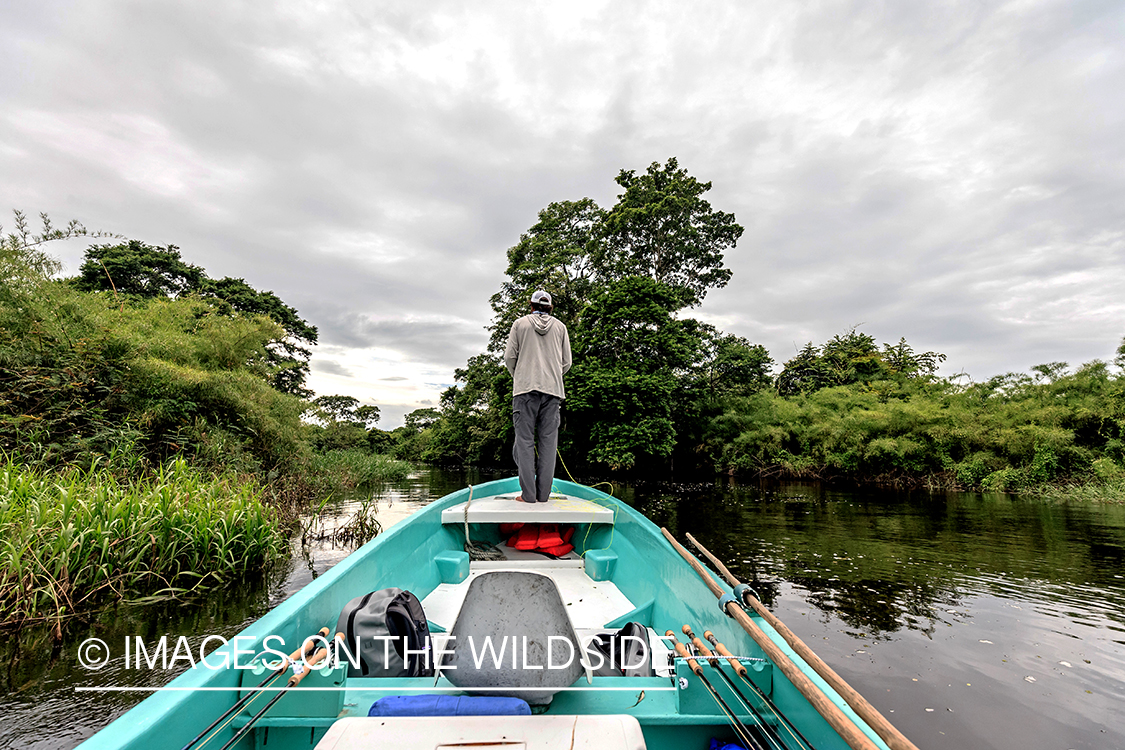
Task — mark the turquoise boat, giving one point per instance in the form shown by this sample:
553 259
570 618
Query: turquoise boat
623 570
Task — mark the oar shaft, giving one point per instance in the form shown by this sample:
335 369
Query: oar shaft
836 718
890 734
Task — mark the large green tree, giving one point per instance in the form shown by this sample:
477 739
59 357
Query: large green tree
138 270
663 228
620 279
555 254
630 353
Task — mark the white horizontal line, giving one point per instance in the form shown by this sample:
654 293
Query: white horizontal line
124 689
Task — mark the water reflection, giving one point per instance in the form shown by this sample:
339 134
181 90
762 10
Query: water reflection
976 620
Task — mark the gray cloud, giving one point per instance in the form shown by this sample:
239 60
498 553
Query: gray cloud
330 367
446 342
951 174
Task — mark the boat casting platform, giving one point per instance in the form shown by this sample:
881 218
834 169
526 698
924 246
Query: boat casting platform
511 509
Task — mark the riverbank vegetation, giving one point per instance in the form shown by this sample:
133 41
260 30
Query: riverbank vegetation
654 391
161 421
79 538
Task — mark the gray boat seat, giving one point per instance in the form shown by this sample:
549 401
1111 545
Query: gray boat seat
513 632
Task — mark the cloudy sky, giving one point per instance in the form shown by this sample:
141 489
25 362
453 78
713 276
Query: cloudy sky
950 172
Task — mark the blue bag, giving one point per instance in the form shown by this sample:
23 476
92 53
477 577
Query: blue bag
449 705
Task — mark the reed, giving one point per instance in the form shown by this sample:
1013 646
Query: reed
360 528
70 541
347 469
1110 492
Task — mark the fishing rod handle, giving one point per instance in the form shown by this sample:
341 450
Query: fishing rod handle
702 649
318 657
738 666
683 652
308 645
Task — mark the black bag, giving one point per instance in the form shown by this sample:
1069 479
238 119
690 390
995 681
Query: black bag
370 619
625 653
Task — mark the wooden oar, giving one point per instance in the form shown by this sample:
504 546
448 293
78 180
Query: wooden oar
294 681
836 718
859 704
302 651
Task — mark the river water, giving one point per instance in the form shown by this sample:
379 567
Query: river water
970 621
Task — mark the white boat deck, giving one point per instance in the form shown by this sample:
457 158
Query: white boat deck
590 604
511 509
582 732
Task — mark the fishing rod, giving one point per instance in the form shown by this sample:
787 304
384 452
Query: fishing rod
887 731
740 670
302 652
740 729
294 681
768 731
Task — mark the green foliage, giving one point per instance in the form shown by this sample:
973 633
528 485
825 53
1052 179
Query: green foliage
556 254
138 270
475 424
415 439
144 368
734 366
73 541
1013 432
344 424
138 273
21 255
81 377
346 469
854 357
337 408
661 227
630 350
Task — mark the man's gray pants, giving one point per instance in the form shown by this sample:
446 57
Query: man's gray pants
535 412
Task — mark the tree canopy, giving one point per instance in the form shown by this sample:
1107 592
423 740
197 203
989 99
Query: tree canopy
619 279
141 272
138 270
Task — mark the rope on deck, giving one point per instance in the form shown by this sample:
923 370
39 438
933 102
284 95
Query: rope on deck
479 551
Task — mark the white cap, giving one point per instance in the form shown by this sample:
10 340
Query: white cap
540 298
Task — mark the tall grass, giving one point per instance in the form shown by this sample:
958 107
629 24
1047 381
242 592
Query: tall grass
342 470
70 541
1111 492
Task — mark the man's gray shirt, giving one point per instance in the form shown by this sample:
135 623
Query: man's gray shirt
538 355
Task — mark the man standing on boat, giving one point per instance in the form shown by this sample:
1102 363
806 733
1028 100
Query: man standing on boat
537 356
